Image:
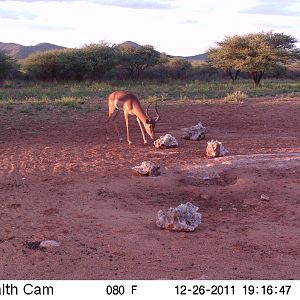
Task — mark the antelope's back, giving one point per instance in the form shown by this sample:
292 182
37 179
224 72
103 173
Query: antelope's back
121 95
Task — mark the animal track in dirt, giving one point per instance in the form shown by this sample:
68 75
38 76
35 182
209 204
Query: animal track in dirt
33 245
14 185
225 178
169 197
51 212
104 193
14 206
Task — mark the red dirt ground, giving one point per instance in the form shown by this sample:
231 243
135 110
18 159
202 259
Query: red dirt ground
60 179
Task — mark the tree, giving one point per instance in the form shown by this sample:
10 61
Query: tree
254 53
136 59
90 62
43 65
98 59
179 67
224 56
7 65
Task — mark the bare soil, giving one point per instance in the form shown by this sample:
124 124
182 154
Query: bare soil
60 179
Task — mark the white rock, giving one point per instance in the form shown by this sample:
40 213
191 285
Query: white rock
264 197
215 148
166 141
49 244
206 196
194 133
147 168
181 218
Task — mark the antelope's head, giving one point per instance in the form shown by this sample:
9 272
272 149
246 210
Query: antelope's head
150 122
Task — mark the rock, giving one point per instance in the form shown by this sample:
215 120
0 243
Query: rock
166 141
264 197
181 218
147 168
206 196
49 244
194 133
215 149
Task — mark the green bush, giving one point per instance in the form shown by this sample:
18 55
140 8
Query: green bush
236 96
7 66
91 62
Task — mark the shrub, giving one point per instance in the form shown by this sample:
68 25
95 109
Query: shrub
90 62
7 66
236 96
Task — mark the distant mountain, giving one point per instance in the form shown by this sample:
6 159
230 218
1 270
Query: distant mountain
202 57
20 52
129 44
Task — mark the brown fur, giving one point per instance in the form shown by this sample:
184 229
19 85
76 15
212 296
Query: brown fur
129 103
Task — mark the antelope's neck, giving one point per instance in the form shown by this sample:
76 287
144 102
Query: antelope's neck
138 111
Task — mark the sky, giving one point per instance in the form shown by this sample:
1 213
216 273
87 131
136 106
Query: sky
176 27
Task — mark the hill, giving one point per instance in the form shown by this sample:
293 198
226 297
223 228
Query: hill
198 57
202 57
20 52
129 44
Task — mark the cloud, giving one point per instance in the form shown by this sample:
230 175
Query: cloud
51 27
274 7
135 4
190 22
276 26
15 14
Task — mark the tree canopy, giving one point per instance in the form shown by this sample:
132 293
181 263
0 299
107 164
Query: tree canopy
254 53
90 62
7 65
136 59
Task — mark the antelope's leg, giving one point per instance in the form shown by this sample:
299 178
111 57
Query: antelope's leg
127 126
141 127
106 126
112 116
115 124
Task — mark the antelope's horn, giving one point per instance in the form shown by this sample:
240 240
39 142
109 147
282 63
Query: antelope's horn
147 111
157 114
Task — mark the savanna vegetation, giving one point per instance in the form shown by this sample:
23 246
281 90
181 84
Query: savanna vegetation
255 53
73 77
85 95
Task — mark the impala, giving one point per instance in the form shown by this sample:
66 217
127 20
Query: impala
129 103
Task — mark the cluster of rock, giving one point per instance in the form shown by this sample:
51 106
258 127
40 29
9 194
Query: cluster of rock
147 168
215 149
166 141
194 133
184 217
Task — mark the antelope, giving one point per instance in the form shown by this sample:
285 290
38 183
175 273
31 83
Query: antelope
129 103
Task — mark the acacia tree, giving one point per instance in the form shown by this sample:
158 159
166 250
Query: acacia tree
254 53
136 59
90 62
43 65
98 59
7 65
224 56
